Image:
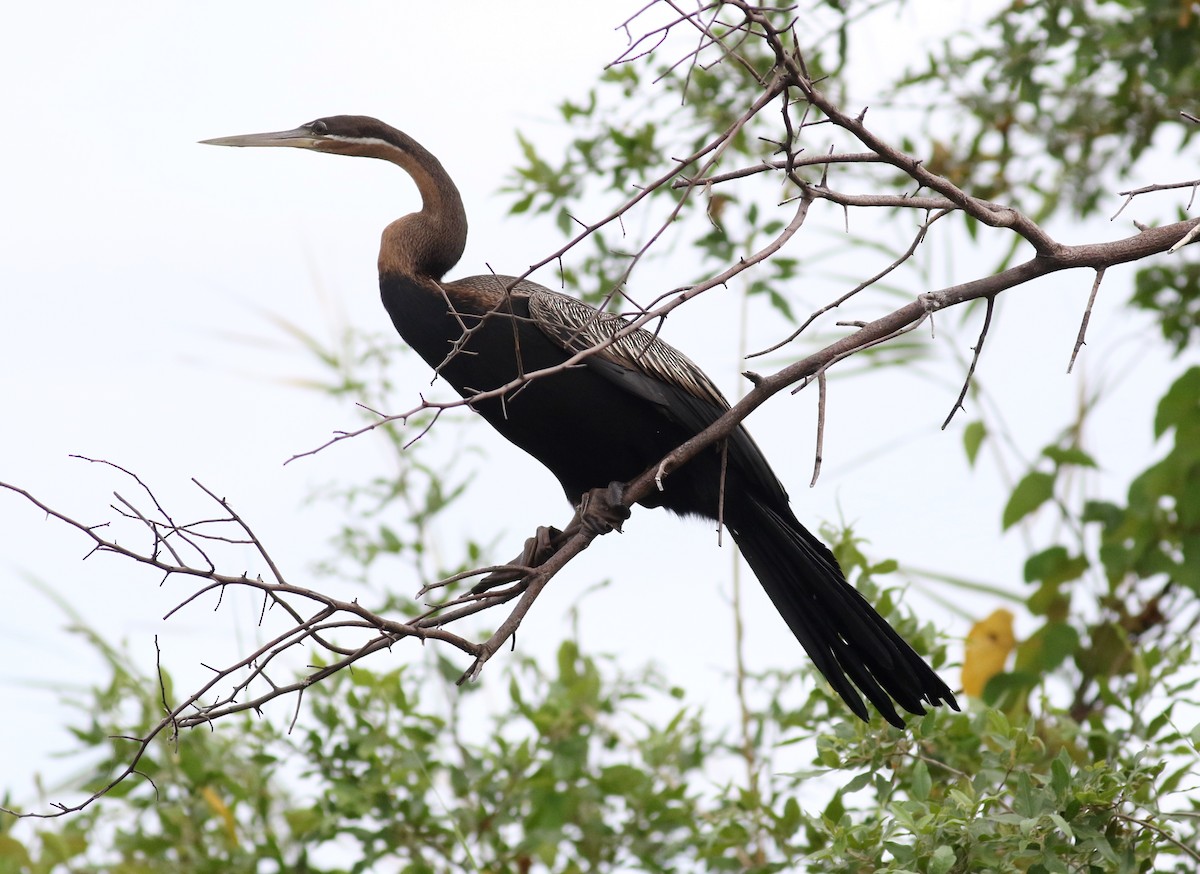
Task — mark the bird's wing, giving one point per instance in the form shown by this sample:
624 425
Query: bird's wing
646 366
646 359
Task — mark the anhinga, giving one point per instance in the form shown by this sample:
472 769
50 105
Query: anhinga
609 420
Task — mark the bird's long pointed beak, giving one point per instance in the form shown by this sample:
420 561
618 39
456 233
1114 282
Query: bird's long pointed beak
300 138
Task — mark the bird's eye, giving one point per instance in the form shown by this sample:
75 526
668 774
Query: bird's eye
318 127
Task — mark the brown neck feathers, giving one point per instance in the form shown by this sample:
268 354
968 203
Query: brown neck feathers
428 243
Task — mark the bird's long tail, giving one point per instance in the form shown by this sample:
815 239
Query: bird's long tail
843 635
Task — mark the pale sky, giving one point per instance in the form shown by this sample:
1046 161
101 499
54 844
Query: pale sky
135 263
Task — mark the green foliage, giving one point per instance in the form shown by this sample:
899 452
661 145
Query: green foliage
544 782
1037 486
588 769
980 793
1053 101
1172 293
565 776
1139 556
207 803
1157 534
637 125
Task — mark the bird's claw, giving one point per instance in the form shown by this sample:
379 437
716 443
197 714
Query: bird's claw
537 550
603 510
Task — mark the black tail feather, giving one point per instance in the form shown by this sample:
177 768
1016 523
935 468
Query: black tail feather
843 635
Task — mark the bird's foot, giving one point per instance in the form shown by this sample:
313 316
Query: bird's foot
537 550
600 511
603 510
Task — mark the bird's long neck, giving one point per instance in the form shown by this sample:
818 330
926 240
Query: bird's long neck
428 243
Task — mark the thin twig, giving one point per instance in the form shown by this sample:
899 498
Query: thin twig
1147 189
976 351
820 451
867 283
1161 832
1087 316
1187 238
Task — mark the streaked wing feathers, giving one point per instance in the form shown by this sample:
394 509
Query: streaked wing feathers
577 326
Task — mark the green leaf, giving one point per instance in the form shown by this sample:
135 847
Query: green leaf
973 436
1047 648
1180 406
1106 513
1055 566
1063 455
922 783
887 566
523 204
1060 774
62 847
389 540
621 780
1109 653
1004 690
1031 492
857 782
942 860
13 855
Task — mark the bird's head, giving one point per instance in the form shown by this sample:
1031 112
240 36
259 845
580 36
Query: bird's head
337 134
427 243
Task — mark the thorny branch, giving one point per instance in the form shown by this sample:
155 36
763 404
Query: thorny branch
976 351
311 617
1087 317
348 632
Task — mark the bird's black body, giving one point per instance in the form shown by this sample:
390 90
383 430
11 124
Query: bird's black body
575 441
590 425
619 413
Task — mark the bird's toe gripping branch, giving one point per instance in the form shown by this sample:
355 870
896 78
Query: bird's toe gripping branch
603 510
537 551
599 512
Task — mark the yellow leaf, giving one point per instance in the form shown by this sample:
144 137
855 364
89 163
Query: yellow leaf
988 644
222 810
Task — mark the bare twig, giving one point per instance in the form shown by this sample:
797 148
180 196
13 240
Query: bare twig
867 283
786 165
1087 316
820 451
976 350
1187 238
1162 833
1148 189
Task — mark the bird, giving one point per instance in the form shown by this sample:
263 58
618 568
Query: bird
613 416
